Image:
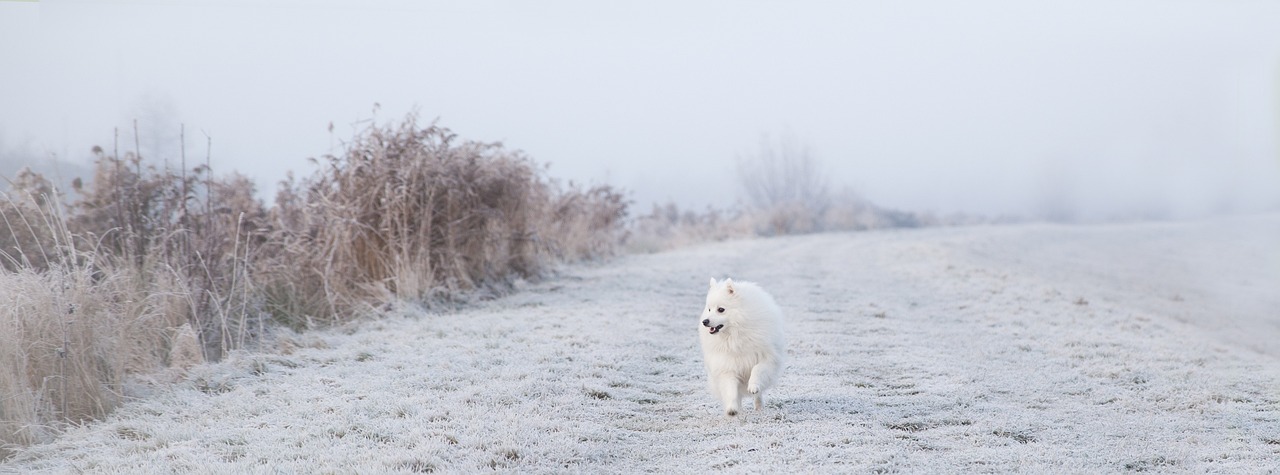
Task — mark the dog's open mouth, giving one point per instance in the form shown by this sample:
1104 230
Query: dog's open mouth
716 329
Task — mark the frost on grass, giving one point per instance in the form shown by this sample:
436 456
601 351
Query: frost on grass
931 351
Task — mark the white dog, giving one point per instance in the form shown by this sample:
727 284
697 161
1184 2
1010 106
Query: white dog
742 342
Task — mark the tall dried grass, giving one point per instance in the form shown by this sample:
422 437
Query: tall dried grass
415 213
186 230
667 227
150 269
24 227
100 287
71 337
73 329
585 224
405 212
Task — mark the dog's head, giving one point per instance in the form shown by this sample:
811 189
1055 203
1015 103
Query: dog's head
721 308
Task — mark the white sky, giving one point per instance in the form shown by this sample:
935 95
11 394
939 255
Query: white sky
1109 108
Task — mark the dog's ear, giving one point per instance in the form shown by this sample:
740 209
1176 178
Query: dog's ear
728 285
713 283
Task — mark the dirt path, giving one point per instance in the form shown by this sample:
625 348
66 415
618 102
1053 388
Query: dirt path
989 349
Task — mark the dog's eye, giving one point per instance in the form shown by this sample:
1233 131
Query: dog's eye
719 309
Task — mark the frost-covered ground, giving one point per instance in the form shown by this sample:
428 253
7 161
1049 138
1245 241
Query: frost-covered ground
1037 348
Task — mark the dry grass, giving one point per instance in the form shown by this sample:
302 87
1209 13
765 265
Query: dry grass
667 227
414 213
74 328
187 232
585 224
71 338
784 191
149 270
24 227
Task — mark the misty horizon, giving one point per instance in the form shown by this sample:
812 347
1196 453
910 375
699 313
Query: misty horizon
1081 111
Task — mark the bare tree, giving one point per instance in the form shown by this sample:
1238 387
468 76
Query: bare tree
784 182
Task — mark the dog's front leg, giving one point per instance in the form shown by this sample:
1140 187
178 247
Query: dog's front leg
762 376
729 393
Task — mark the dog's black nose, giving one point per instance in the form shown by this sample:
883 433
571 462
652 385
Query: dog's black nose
706 322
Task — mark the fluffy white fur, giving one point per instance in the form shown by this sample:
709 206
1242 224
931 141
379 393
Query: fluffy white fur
742 342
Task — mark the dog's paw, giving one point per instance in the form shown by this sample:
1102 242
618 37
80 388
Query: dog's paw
730 412
753 388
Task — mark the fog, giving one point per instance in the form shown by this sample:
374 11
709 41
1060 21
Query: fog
1089 110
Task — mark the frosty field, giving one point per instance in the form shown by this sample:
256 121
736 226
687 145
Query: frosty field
1026 348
